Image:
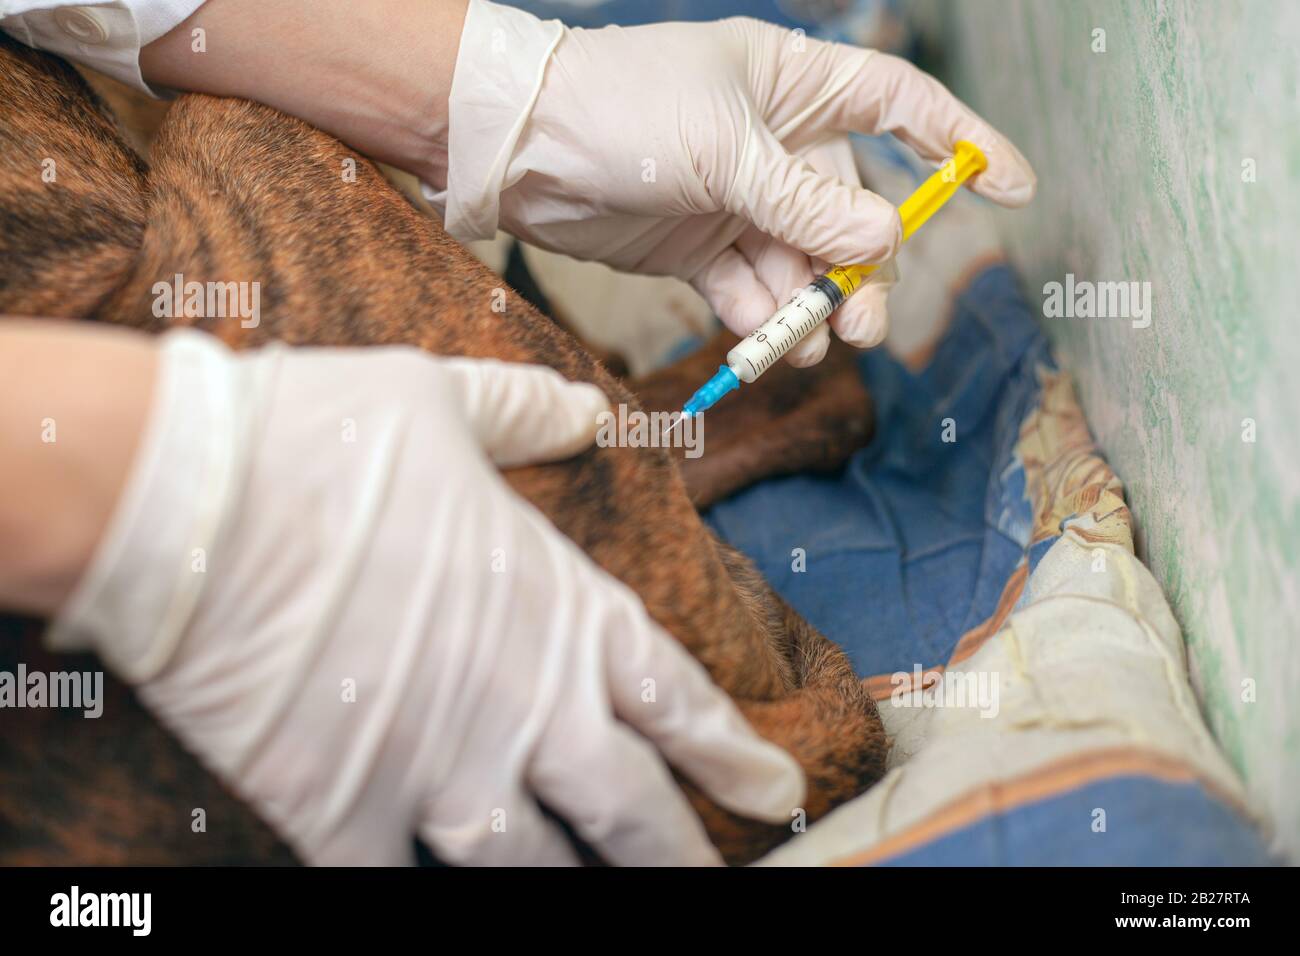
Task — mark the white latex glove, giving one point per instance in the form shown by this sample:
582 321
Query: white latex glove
322 584
675 148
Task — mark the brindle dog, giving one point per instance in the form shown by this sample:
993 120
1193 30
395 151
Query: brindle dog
237 191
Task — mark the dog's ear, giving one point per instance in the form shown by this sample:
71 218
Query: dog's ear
72 192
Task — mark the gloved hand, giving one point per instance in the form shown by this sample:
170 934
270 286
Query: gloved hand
715 152
321 583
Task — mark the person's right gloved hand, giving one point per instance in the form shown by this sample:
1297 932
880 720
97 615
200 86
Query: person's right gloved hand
319 580
715 152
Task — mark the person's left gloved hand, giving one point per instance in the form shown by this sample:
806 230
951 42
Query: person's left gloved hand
319 580
715 152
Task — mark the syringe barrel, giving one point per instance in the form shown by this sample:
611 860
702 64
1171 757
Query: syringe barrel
762 348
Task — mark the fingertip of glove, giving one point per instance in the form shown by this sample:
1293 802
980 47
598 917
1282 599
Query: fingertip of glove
1013 196
881 230
864 321
584 409
544 417
776 792
1010 180
1023 194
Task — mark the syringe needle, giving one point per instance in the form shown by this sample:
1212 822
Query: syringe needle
680 418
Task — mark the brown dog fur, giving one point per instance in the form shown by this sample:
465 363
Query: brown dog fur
239 192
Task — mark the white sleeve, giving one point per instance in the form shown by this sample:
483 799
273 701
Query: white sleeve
105 36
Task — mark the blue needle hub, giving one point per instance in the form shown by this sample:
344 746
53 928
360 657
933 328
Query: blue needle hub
711 391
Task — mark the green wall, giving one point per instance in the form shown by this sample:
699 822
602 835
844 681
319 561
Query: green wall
1139 152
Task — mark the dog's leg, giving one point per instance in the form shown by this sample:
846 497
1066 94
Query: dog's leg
828 723
789 421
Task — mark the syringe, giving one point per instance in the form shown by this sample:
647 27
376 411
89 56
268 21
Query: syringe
813 304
